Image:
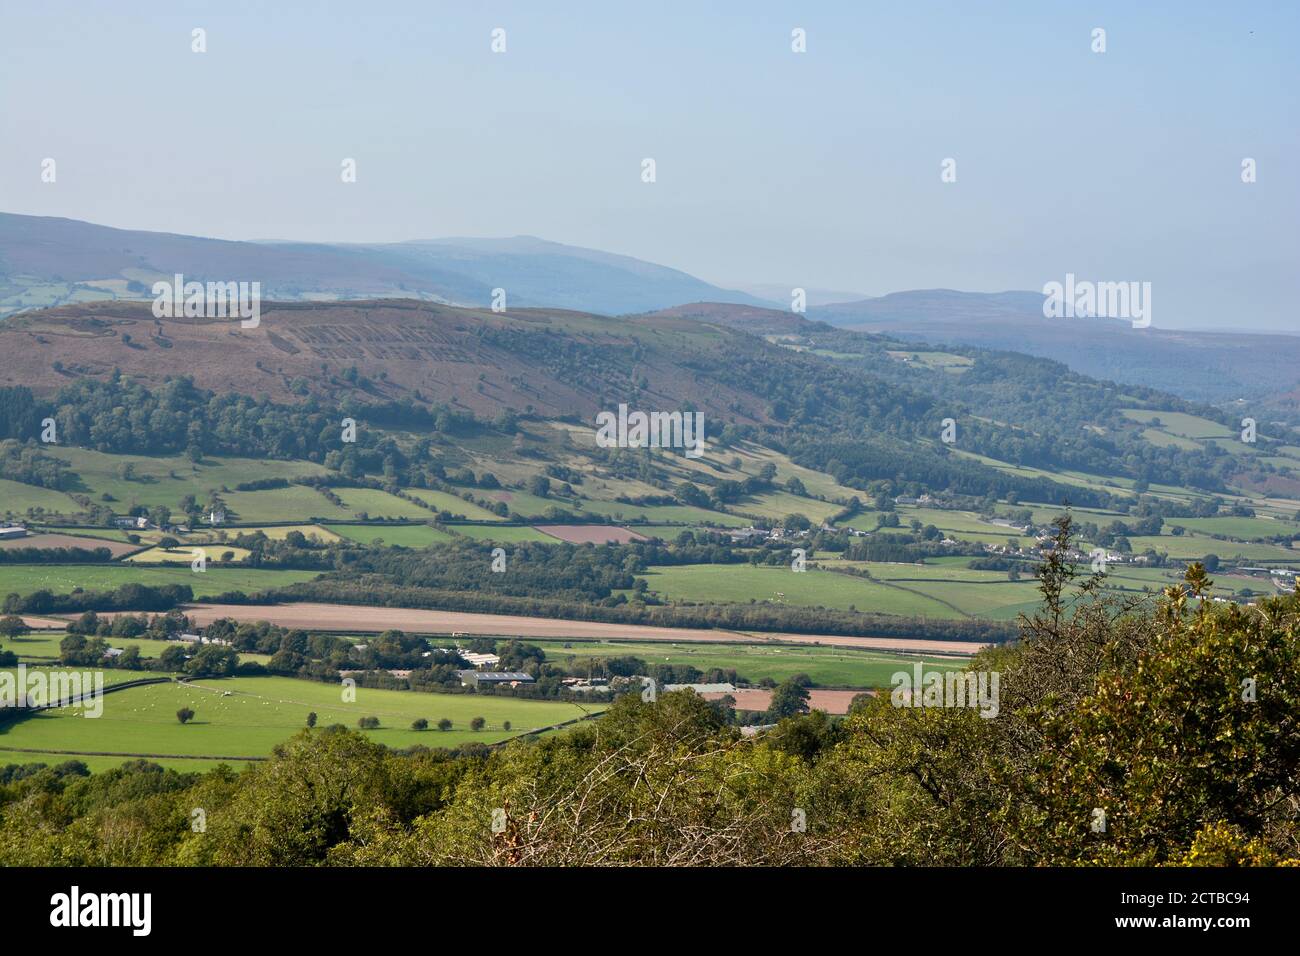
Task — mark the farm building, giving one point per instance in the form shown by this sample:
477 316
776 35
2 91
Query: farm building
12 532
492 678
198 639
131 521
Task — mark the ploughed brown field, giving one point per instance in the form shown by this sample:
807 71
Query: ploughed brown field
590 534
118 548
831 701
356 619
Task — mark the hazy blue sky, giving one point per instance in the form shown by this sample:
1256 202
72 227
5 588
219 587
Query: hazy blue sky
818 169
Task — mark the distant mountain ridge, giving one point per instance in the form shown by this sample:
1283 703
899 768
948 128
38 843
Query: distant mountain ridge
1214 367
49 262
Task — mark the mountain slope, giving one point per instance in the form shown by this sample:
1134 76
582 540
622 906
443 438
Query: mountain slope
549 362
47 261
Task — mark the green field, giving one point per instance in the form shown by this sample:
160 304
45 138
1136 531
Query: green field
930 571
261 712
508 534
947 361
743 583
777 504
683 514
1193 546
295 503
371 502
275 532
65 578
457 506
406 536
826 666
165 480
1244 528
1179 423
521 502
17 499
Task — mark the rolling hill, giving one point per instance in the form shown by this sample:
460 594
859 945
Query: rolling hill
47 261
547 362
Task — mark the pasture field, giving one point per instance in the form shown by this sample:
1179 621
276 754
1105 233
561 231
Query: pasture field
1164 439
777 504
295 503
505 534
957 521
885 571
1194 546
947 361
997 599
661 514
1179 423
405 536
165 480
248 716
374 503
441 501
522 503
1244 528
17 499
744 583
65 578
590 533
826 666
275 532
754 457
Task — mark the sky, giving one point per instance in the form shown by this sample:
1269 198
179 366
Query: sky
819 169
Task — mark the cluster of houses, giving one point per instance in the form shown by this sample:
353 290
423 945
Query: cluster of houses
752 535
215 517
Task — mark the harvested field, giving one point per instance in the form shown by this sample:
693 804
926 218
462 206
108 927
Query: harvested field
44 623
590 534
831 701
361 619
44 541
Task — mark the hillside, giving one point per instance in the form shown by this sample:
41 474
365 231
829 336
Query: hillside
47 261
384 350
1214 367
